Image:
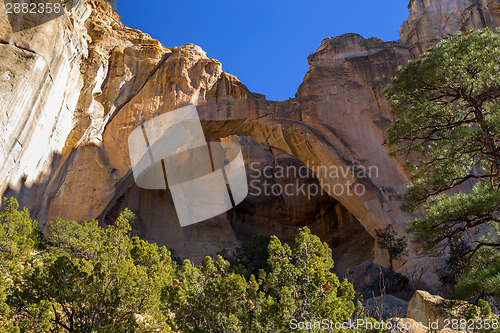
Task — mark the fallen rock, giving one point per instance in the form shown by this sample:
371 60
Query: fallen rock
424 307
386 306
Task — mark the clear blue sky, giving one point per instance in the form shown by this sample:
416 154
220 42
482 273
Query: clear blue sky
264 43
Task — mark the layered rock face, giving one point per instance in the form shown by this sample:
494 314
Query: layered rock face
73 89
37 107
430 21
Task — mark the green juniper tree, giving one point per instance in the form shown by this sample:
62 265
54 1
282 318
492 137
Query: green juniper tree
18 234
297 287
85 278
300 286
252 257
90 279
18 238
211 298
447 110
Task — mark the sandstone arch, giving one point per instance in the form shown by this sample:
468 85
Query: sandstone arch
96 169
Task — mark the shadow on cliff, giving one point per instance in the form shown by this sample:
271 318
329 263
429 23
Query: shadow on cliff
32 194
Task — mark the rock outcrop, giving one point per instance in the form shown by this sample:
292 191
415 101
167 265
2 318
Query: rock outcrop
430 21
72 89
424 308
445 314
385 307
432 313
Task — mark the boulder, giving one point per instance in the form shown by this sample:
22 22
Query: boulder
424 307
386 306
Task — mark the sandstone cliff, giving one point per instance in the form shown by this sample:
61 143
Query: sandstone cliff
430 21
72 90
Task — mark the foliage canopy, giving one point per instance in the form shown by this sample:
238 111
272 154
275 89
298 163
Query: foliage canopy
81 277
447 110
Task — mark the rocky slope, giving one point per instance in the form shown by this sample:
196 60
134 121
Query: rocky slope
72 90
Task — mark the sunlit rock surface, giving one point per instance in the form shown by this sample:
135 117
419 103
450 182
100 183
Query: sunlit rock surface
72 89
